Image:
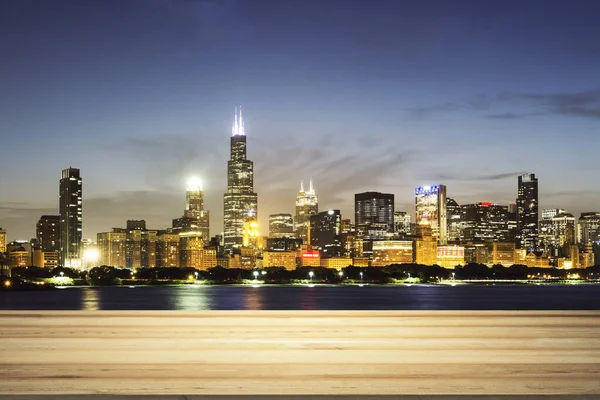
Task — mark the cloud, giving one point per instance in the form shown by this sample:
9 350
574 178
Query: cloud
488 177
585 104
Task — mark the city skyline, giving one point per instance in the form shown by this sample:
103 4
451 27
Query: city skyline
450 97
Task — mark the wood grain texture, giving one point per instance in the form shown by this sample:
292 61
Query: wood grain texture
299 352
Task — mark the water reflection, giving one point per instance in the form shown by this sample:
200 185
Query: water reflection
191 298
254 298
308 299
90 299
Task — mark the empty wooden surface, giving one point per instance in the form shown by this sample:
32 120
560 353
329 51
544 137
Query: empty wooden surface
299 352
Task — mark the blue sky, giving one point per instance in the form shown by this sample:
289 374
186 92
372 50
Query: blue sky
358 95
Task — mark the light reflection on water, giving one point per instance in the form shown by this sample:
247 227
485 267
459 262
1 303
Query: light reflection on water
192 298
90 299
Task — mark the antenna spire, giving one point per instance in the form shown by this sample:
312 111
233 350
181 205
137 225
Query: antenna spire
302 186
311 186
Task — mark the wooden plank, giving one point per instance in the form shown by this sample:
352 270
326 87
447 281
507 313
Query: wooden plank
300 352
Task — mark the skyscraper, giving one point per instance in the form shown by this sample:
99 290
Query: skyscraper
71 218
307 204
325 230
527 212
430 204
589 228
2 240
374 214
281 225
240 202
47 232
195 217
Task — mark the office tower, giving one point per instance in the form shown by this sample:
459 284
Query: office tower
112 248
430 205
192 252
527 212
195 217
453 216
388 252
563 229
2 240
47 232
374 215
281 225
512 222
546 238
325 230
484 222
307 205
283 244
402 223
71 218
240 202
588 228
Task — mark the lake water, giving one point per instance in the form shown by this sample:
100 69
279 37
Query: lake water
281 297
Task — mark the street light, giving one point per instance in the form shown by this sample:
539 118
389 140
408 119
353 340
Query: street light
62 274
196 274
255 273
311 274
341 274
361 277
453 276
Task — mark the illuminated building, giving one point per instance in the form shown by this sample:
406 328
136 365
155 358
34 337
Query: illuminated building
307 205
424 245
247 257
45 259
308 258
167 249
285 259
588 228
450 256
454 218
477 253
47 232
250 237
19 257
484 222
586 257
502 253
402 223
112 247
512 221
148 248
430 205
240 202
133 244
192 252
346 226
2 240
563 229
325 229
281 226
388 252
374 215
537 259
360 262
71 218
546 239
351 246
527 212
336 262
283 244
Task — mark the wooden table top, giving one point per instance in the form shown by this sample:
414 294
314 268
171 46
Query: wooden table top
299 352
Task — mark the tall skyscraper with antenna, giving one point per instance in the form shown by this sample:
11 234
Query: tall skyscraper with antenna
240 202
307 204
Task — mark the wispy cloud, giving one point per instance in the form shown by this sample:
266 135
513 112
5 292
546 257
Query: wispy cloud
482 177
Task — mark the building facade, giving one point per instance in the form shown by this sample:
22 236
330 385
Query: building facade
111 248
71 218
240 203
325 231
2 240
402 223
589 228
47 232
388 252
374 215
430 205
281 226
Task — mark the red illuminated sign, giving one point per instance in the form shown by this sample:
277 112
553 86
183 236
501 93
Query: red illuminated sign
310 255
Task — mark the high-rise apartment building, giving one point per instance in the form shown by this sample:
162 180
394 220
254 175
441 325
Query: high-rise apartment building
374 215
240 202
453 217
430 205
307 205
325 230
47 232
71 218
281 226
527 212
112 248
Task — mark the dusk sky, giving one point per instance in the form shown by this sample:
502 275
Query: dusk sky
358 95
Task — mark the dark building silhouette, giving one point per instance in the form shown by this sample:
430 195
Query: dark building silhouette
240 202
47 232
71 218
527 212
325 231
281 225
